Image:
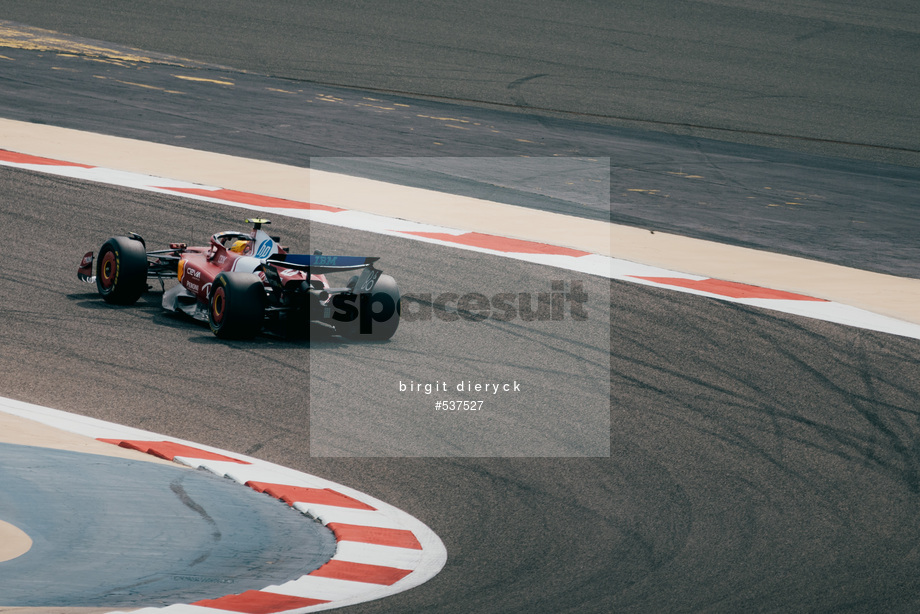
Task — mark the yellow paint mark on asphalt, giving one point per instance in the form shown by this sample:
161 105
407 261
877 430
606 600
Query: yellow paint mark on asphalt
203 80
275 89
143 85
6 58
93 59
111 61
374 106
28 38
523 141
400 105
445 119
456 126
38 39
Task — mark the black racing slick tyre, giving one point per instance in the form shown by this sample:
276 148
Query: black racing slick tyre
236 309
121 270
378 313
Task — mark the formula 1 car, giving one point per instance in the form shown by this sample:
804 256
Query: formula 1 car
242 283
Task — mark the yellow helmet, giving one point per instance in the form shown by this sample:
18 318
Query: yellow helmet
239 246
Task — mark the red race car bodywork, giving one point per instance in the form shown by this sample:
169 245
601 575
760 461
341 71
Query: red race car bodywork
241 283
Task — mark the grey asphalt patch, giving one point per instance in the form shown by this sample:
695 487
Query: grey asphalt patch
117 533
792 203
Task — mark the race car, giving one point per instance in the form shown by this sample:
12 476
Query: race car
243 283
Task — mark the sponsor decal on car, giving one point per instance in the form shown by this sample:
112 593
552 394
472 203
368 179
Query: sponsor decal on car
265 248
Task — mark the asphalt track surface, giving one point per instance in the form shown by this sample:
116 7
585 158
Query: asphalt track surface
758 461
859 213
813 74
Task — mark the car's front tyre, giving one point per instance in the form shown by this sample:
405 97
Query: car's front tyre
121 270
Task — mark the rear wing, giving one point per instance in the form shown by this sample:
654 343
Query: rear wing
319 264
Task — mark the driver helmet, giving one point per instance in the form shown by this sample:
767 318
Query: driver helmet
240 246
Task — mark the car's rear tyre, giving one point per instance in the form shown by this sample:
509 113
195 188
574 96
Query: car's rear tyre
382 319
121 270
236 309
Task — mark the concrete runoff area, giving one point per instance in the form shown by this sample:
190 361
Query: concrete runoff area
125 529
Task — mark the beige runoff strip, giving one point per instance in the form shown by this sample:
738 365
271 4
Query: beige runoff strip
22 431
883 294
14 542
